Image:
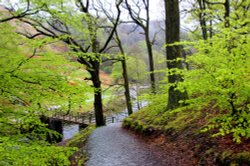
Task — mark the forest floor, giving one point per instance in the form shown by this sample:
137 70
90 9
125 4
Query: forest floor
186 145
187 149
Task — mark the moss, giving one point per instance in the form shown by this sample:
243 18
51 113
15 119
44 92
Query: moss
181 120
146 120
137 125
188 122
127 122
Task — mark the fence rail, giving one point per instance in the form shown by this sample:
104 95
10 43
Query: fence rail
81 118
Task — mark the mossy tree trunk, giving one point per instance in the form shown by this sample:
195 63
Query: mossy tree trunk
172 23
95 78
202 18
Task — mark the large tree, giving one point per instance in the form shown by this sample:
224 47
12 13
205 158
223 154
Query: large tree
80 30
106 9
173 52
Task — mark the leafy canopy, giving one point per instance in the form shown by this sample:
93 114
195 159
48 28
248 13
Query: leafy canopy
34 77
220 76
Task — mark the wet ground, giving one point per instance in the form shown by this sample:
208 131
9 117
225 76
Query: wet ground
114 146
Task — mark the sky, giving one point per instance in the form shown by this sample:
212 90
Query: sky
157 12
156 9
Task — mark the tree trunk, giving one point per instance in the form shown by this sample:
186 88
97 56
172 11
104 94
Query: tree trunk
125 75
172 24
144 24
227 13
151 60
97 94
94 71
150 51
202 18
211 28
126 86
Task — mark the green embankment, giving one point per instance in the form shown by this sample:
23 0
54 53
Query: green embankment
146 121
187 124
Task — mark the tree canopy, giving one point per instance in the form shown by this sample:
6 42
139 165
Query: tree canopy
50 50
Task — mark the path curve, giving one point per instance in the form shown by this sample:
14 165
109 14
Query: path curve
114 146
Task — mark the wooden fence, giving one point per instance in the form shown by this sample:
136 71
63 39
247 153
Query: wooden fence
81 118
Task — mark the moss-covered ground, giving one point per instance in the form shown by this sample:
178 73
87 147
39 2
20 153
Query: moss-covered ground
179 133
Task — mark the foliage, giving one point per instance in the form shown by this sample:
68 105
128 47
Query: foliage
156 102
14 152
33 78
115 104
136 70
40 77
160 66
220 76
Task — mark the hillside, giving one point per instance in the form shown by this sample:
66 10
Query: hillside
179 134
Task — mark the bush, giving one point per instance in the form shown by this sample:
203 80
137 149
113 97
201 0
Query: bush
220 76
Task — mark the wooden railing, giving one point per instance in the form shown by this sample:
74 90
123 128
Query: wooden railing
80 118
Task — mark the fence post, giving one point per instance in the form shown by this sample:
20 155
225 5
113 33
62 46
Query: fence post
76 118
90 118
113 119
82 119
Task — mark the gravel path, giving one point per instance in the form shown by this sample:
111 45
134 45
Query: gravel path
114 146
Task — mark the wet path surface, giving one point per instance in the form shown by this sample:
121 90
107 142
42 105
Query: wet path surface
113 146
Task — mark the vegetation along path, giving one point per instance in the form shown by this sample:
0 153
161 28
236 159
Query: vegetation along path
114 146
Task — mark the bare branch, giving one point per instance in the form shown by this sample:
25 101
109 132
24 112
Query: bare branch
30 36
154 37
135 16
84 8
57 29
110 47
27 12
115 24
